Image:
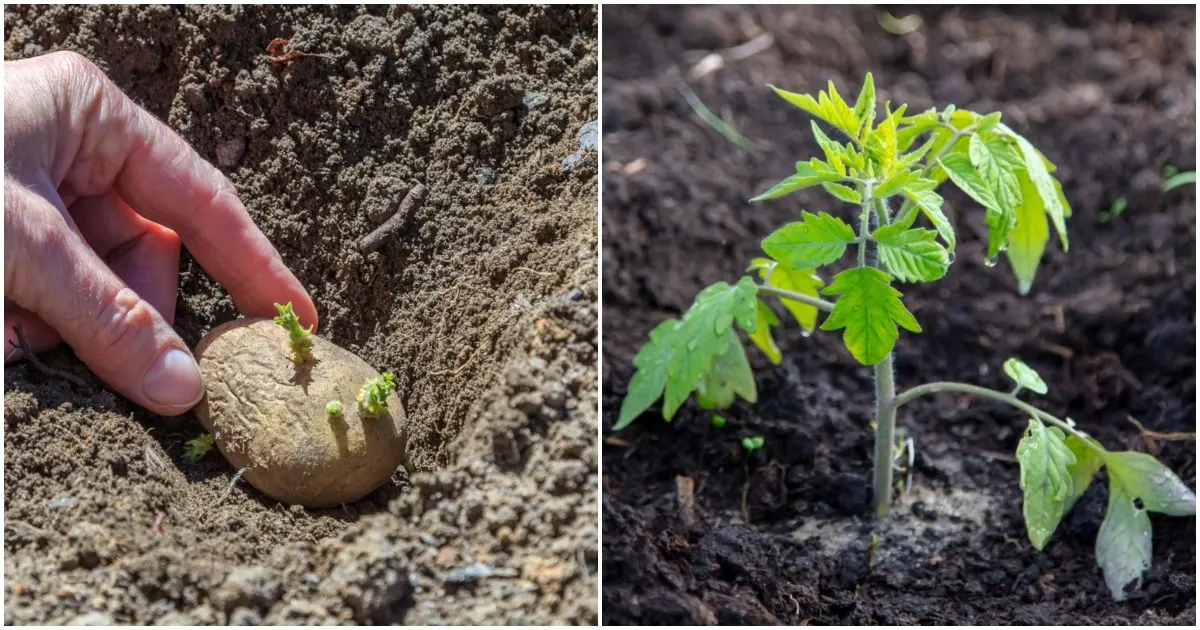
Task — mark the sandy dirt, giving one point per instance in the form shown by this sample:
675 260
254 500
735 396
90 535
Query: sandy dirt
1109 94
482 303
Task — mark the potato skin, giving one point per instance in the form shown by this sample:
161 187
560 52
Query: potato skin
268 414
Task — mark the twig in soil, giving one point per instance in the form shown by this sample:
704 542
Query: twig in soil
459 369
157 530
229 488
23 344
372 241
153 462
685 493
540 273
746 495
275 49
1151 437
720 126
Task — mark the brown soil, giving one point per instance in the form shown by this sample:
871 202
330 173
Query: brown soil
483 304
1109 94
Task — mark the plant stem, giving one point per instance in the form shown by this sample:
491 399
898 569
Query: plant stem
1008 399
885 434
798 297
864 227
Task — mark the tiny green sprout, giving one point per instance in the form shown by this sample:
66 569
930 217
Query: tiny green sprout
372 398
299 339
1176 178
882 168
195 449
1117 209
334 409
718 422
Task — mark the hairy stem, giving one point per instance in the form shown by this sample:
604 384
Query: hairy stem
798 297
885 434
864 227
1008 399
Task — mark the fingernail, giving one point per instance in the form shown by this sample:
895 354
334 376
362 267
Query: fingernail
173 380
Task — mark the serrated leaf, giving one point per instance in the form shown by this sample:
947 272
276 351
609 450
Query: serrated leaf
1038 169
730 376
988 122
834 151
806 176
1088 462
997 165
1027 239
650 379
922 195
681 353
1025 376
762 333
911 255
802 281
841 116
845 193
1123 546
1045 479
864 107
1156 485
964 175
894 184
869 310
815 240
913 126
912 157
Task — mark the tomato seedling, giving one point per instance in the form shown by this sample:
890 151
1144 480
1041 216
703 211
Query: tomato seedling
889 185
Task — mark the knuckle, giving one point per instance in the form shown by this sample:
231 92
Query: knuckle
124 325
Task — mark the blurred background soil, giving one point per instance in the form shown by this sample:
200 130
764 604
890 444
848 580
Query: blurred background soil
483 304
693 531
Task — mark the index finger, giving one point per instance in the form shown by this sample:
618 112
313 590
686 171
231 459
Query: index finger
166 181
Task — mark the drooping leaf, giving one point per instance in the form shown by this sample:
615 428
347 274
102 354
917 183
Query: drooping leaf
964 175
815 240
1027 240
1088 462
911 254
1159 489
922 195
997 164
1039 174
681 353
869 310
730 376
650 379
1123 546
802 281
806 177
845 193
1025 376
1045 478
762 333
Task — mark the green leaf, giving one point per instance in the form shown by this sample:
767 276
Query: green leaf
682 353
911 255
997 164
922 195
802 281
1156 485
730 376
1024 376
805 177
912 127
762 333
834 151
894 184
869 310
864 107
827 106
914 156
964 175
988 122
1088 462
753 443
1123 546
718 422
1039 174
815 240
1179 179
845 193
1045 478
1027 240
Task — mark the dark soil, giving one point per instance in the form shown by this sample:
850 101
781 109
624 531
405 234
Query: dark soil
1109 95
483 304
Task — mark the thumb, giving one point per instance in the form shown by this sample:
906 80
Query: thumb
51 271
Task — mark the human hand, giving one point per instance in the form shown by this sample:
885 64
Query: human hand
98 194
